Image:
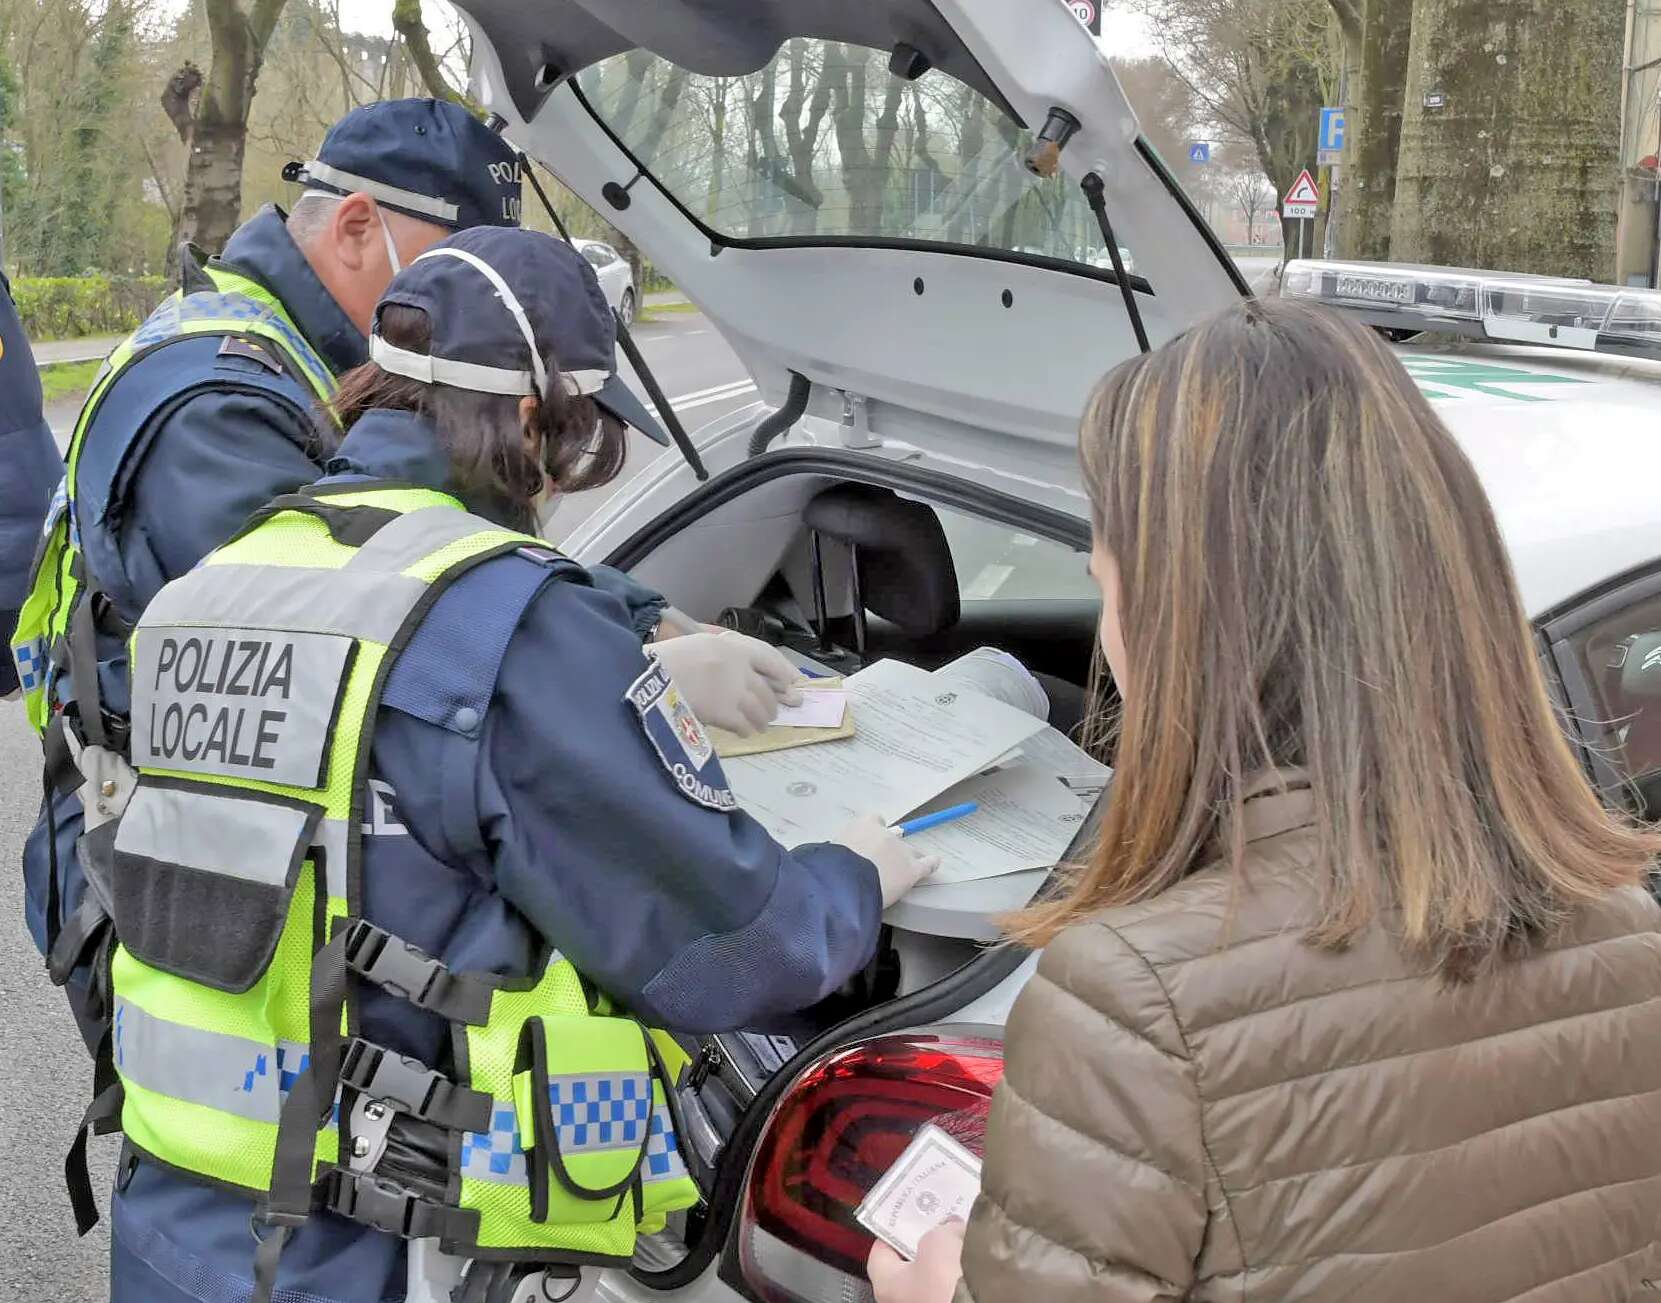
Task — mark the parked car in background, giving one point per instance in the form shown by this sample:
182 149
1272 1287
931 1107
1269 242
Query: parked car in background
1099 257
616 277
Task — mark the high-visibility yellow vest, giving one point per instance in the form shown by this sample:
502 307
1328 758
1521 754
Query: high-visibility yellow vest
236 305
256 680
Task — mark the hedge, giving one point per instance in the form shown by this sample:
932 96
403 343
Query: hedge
70 307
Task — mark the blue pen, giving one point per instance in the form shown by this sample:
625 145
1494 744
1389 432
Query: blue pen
923 822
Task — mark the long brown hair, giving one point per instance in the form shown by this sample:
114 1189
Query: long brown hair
1311 579
582 447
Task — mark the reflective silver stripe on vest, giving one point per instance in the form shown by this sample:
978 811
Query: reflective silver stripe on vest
230 833
498 1155
242 703
362 604
217 1071
368 597
331 836
234 835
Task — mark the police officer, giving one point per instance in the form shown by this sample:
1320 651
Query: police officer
31 467
202 415
374 708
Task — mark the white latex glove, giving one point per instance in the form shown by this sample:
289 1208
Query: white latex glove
899 866
730 680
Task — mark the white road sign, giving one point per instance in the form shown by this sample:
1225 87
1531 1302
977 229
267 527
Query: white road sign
1303 199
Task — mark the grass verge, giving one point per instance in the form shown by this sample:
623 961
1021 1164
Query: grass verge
658 311
60 380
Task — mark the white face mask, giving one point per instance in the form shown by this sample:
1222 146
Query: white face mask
391 247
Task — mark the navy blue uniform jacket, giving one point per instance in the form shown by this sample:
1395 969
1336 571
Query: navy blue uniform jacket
30 469
195 469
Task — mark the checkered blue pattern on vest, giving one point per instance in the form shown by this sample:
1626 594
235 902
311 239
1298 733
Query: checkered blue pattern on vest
623 1113
31 663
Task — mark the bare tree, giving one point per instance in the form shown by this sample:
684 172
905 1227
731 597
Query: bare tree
412 29
1262 69
802 134
216 131
1251 195
1169 112
864 164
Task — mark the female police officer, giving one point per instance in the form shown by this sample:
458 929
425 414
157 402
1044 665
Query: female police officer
404 775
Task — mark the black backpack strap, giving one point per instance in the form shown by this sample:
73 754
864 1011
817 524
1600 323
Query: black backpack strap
102 1117
81 933
350 526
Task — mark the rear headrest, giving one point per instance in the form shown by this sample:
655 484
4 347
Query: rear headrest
906 574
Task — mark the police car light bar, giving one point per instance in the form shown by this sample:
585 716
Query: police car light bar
1498 306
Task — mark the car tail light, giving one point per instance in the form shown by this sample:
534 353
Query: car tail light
840 1126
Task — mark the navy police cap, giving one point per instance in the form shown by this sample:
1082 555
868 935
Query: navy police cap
502 305
430 159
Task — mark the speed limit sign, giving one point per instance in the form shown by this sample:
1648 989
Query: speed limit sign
1089 13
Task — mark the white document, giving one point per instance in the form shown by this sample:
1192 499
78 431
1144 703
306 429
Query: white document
998 675
936 1178
1030 811
819 708
914 742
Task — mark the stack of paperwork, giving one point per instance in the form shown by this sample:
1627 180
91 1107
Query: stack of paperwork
927 741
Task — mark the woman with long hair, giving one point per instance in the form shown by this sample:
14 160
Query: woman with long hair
1358 996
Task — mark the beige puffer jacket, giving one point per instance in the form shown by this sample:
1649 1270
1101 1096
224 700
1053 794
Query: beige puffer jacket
1196 1115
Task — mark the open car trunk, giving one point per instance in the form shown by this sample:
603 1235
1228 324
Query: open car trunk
852 193
1001 571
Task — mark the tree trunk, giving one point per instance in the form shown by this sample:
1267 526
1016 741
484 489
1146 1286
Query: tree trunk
213 183
1509 143
965 224
1376 52
1290 127
219 131
802 138
718 146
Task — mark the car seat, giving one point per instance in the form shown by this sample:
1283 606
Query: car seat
902 572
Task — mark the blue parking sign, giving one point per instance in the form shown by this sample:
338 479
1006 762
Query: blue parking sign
1199 152
1330 147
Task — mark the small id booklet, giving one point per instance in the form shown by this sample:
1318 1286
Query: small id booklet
935 1179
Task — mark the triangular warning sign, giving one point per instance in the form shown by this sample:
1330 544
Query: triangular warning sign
1304 190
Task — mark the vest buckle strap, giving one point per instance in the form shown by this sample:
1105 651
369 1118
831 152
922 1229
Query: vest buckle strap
386 1206
412 1087
411 974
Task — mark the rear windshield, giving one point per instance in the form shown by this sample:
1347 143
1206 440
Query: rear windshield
825 141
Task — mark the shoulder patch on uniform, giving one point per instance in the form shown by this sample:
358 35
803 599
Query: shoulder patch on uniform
679 739
240 346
